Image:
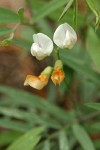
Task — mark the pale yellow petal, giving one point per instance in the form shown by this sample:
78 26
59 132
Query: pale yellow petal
37 82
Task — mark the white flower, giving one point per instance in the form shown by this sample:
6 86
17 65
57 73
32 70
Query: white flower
42 46
65 36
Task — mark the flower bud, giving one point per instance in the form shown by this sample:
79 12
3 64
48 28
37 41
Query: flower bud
58 74
42 46
65 36
39 82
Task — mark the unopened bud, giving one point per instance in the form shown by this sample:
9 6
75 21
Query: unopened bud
58 74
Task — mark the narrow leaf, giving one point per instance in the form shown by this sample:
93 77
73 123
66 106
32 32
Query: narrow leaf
82 137
48 8
80 65
8 137
35 101
93 105
46 145
4 30
63 141
14 125
93 47
96 126
92 6
8 16
28 141
65 9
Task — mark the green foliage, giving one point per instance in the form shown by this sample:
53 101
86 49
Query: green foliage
4 31
66 8
8 16
75 13
8 137
21 14
48 8
96 11
80 65
82 137
37 102
93 46
39 123
46 145
94 105
7 41
63 142
27 141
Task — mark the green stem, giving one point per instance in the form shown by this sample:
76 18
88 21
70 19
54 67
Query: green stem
16 27
75 14
57 53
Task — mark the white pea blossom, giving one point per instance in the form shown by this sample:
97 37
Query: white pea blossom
42 46
65 36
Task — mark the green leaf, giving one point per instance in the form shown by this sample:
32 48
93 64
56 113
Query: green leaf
33 4
55 15
4 31
14 125
31 118
14 112
36 102
21 14
23 43
70 2
93 46
47 9
96 126
46 145
45 27
43 24
8 16
93 105
80 65
96 11
28 141
82 137
63 142
75 14
90 87
8 137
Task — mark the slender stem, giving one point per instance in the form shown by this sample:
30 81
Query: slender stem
16 27
57 53
75 14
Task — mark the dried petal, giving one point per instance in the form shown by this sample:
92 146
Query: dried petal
37 82
57 76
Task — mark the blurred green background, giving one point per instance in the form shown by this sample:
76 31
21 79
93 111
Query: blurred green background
65 117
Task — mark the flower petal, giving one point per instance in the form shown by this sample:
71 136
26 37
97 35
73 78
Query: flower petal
65 36
59 36
57 76
37 82
44 42
34 49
